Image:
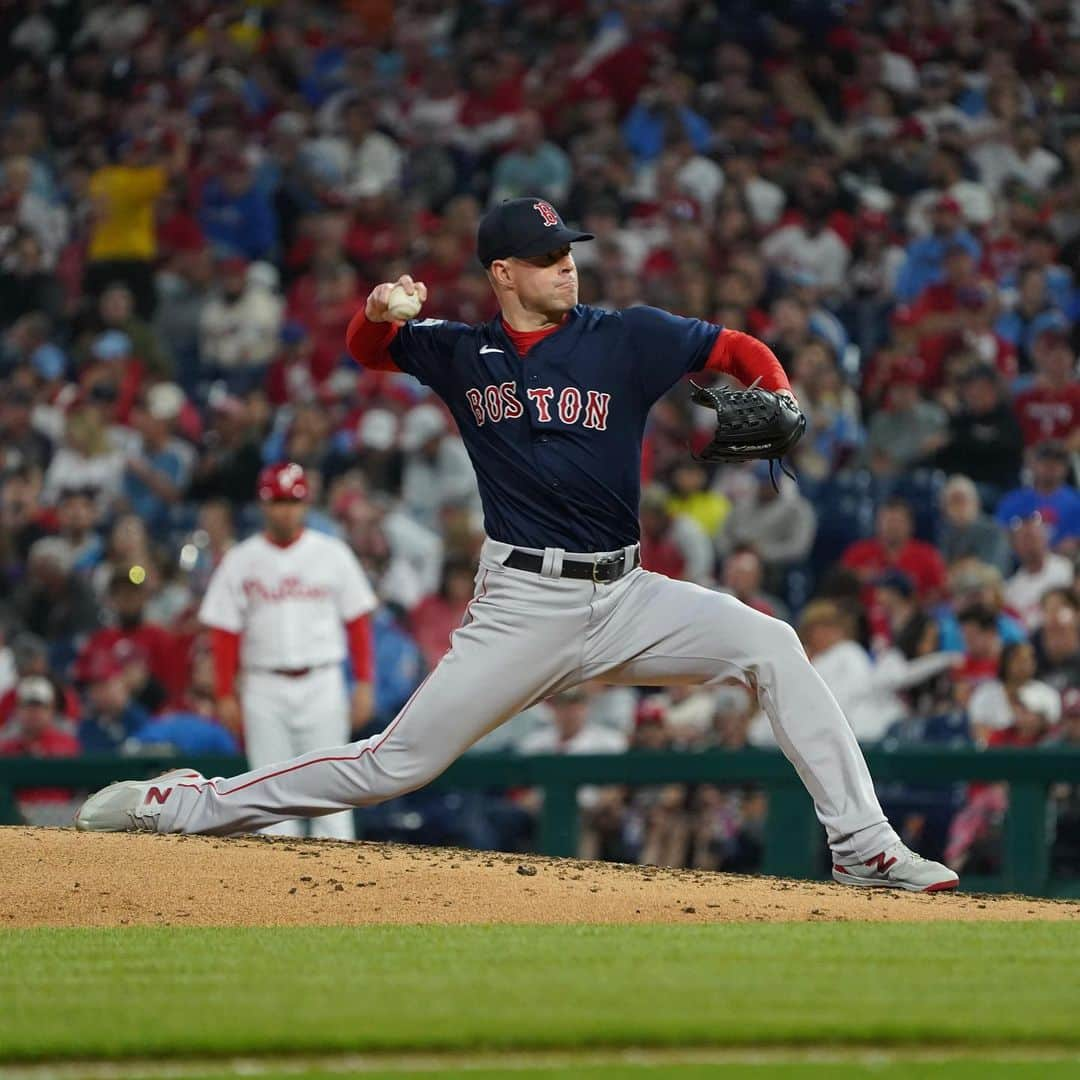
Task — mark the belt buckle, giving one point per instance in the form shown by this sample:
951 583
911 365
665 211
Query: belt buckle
608 560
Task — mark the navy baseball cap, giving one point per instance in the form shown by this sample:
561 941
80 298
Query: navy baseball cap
522 228
896 580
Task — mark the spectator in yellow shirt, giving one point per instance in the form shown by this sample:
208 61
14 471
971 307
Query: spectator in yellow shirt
123 241
692 498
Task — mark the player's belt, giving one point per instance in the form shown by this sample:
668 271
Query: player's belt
297 672
603 570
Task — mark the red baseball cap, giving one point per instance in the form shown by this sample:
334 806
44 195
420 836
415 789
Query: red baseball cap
232 264
911 128
904 377
650 711
283 482
873 221
102 667
907 369
126 651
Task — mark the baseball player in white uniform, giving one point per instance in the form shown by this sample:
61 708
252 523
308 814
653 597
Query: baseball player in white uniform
283 609
551 399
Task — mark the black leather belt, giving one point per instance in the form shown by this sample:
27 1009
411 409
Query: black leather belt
295 672
603 571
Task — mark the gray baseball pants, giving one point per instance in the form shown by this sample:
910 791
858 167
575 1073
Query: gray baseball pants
529 635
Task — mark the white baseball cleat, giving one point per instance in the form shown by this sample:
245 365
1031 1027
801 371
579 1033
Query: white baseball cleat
897 867
130 805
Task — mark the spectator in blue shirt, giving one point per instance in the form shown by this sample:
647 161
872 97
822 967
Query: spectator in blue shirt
159 468
237 214
1031 313
951 638
184 733
925 260
399 664
112 716
533 165
1048 495
1039 253
77 521
660 110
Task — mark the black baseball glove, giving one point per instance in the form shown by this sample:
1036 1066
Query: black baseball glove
751 425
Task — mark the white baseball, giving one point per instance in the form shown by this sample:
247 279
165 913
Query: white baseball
401 305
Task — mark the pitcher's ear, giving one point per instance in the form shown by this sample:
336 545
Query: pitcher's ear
499 272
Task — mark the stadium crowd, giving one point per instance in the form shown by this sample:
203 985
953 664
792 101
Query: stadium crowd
195 198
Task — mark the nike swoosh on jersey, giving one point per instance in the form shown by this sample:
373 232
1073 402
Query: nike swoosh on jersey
488 348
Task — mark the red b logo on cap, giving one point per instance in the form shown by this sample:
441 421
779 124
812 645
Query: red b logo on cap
547 212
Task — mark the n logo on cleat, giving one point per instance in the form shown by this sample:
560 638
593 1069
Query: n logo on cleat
880 863
156 795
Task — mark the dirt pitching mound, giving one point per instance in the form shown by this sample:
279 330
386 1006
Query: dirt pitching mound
58 877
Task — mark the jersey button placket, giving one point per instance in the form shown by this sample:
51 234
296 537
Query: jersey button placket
540 438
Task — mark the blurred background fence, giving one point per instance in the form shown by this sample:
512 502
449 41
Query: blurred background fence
793 844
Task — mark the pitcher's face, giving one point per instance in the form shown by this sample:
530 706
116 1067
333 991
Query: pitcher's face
546 283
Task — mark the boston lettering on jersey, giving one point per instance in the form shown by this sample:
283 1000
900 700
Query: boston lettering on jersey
554 436
497 403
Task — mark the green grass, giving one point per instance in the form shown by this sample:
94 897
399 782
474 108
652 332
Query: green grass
968 1070
152 991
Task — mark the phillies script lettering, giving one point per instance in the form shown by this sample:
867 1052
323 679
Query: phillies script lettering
290 588
499 401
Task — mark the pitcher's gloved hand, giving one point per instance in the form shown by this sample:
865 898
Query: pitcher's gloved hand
751 425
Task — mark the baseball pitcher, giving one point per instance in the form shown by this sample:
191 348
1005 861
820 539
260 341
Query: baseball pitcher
551 398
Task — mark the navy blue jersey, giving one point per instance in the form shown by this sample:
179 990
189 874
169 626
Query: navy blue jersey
555 437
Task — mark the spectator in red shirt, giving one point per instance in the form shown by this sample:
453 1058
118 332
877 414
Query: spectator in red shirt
376 235
982 650
436 617
673 544
893 548
441 264
1037 709
1051 408
325 301
660 551
40 732
299 371
958 312
742 576
126 603
31 656
177 230
490 105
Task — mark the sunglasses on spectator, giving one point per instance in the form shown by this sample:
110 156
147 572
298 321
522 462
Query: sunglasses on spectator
1031 519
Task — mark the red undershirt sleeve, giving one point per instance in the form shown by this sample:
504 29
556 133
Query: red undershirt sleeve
369 343
747 358
361 648
225 649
